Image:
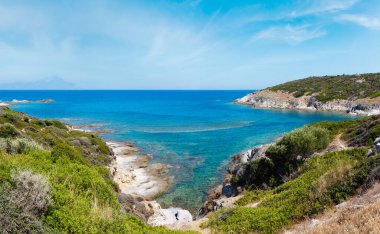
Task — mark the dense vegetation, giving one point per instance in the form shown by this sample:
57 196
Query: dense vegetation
327 88
53 180
302 184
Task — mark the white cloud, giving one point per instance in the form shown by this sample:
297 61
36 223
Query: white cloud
313 7
290 34
362 20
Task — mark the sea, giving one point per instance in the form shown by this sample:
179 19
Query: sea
195 132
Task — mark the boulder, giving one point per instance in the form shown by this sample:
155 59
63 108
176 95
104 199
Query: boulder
147 208
228 190
169 216
377 147
313 102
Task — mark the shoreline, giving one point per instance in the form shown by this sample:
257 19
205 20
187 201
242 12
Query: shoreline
140 183
133 173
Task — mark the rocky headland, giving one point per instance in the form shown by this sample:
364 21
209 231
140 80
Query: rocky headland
284 100
357 94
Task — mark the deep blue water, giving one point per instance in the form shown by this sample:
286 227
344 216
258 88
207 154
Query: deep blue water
194 131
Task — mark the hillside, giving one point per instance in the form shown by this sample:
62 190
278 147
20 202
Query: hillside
355 94
306 172
56 180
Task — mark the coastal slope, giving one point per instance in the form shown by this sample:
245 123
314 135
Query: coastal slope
353 94
299 177
55 179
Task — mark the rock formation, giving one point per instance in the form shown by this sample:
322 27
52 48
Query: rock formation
285 100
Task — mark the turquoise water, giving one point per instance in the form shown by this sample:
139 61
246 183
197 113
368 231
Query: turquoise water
194 131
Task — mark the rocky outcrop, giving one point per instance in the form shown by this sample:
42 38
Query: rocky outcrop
162 217
284 100
375 149
139 182
225 195
134 175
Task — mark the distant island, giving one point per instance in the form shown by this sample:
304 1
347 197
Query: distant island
354 94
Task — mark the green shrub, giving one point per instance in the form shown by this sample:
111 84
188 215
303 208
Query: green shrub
296 146
56 124
7 130
364 132
65 152
259 174
374 95
19 145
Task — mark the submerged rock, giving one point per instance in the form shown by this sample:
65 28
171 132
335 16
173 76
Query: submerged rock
169 216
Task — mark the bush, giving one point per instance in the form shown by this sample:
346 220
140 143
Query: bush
31 192
19 145
364 132
22 204
297 146
259 174
7 130
65 152
56 124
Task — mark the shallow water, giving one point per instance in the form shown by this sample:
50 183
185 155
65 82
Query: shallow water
194 131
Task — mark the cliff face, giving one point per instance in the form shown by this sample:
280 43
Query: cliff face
284 100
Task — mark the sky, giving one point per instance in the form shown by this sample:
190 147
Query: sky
187 44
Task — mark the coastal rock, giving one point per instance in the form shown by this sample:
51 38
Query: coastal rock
147 208
314 103
376 143
228 190
169 216
284 100
134 175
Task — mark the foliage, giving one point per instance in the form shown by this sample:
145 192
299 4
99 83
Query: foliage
259 174
296 146
23 203
364 132
7 130
65 152
298 198
56 124
69 186
19 145
329 88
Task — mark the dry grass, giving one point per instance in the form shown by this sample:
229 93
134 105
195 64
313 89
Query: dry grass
358 215
102 212
338 174
360 220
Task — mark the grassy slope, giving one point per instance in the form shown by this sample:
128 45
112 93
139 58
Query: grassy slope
320 182
83 197
328 88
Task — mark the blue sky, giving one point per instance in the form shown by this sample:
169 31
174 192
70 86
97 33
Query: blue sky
191 44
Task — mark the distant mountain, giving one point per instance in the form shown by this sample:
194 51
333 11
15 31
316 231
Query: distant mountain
53 83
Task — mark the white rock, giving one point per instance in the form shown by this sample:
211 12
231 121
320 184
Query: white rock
169 216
